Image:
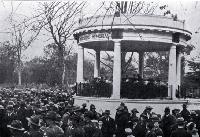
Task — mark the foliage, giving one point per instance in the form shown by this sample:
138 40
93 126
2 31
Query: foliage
7 63
156 66
192 78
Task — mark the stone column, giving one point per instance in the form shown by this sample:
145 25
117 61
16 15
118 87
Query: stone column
117 70
97 64
172 72
80 60
141 64
178 70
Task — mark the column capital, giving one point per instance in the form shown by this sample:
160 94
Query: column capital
80 46
175 44
117 40
141 52
97 50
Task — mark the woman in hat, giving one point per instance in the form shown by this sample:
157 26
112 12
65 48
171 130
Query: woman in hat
16 129
133 118
148 112
34 124
140 129
158 131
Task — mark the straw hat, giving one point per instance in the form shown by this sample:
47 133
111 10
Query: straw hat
16 125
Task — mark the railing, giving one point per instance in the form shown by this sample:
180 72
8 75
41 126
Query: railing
140 90
100 89
128 90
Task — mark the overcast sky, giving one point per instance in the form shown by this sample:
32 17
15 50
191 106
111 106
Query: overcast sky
186 10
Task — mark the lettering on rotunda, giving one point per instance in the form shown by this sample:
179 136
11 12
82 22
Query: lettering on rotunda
94 36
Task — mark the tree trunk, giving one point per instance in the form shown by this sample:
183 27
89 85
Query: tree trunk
19 70
123 61
19 76
61 66
63 74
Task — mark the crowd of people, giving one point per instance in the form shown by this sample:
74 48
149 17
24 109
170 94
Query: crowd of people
97 87
132 88
32 113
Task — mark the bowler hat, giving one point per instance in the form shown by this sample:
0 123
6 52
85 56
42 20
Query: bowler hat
16 125
84 104
149 107
107 112
167 109
51 115
184 105
92 106
134 110
120 108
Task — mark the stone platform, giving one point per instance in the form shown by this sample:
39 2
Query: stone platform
158 104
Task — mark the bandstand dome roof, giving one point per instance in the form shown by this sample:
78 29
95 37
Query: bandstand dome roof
137 32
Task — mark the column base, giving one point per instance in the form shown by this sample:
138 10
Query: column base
115 97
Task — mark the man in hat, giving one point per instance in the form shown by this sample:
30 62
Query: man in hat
167 122
90 126
84 109
180 131
16 129
108 126
11 115
121 120
34 124
53 129
92 110
185 113
74 128
133 119
4 121
22 114
133 115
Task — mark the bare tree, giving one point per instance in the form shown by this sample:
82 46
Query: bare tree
59 20
127 10
22 36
